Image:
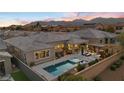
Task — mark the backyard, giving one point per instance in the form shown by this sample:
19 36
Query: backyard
114 73
19 76
109 75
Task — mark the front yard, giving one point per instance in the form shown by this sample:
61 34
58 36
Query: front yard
19 76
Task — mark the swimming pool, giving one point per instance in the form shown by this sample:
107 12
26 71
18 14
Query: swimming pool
60 68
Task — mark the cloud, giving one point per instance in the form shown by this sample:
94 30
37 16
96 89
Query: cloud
12 22
90 15
72 14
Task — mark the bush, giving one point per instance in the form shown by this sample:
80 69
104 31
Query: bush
70 77
113 67
118 63
97 78
81 67
32 64
122 57
93 62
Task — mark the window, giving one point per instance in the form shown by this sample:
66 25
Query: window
112 40
106 40
70 46
41 54
37 55
59 46
47 53
100 41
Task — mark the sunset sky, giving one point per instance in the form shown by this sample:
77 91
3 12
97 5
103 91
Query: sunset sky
22 18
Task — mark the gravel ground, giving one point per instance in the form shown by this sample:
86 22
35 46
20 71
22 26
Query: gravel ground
117 75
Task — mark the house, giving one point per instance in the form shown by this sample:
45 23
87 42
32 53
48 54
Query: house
98 26
119 28
47 46
43 47
96 36
5 60
99 41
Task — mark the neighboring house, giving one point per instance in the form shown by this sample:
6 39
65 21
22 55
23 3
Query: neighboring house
119 28
9 34
98 26
5 60
96 36
46 46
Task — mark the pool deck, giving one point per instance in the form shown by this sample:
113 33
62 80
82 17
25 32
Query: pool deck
39 68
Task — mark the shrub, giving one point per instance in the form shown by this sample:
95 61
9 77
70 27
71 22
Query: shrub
118 63
97 78
63 77
93 62
81 67
113 67
70 77
122 57
32 64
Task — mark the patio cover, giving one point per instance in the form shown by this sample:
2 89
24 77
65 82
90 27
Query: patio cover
77 41
97 45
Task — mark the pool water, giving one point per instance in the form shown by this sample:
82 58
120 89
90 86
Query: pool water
60 68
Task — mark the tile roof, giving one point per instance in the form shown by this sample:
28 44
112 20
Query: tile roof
2 44
27 44
93 33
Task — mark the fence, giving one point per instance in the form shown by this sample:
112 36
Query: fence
28 71
94 70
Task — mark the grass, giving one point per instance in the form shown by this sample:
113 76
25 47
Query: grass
19 76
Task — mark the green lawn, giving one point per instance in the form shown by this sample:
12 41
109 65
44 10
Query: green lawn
19 76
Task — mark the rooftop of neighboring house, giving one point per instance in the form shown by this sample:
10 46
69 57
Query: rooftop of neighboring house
2 45
5 54
93 33
10 34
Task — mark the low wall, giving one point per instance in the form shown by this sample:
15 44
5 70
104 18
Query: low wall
27 70
94 70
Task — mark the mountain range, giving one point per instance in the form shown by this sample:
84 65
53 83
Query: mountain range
77 22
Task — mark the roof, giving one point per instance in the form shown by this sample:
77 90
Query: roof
27 44
41 40
2 44
97 45
5 54
49 37
77 41
93 33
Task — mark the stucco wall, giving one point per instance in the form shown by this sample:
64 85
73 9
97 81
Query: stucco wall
97 68
7 65
31 58
27 70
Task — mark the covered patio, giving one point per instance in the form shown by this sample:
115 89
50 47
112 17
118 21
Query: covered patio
73 46
101 49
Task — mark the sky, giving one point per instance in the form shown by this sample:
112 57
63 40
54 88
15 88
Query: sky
21 18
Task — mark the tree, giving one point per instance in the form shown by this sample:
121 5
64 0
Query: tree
110 29
121 39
